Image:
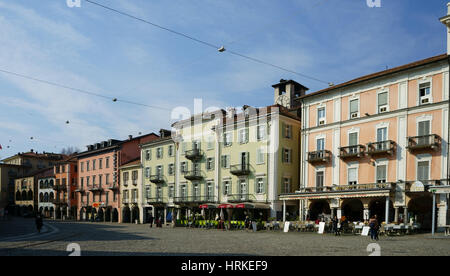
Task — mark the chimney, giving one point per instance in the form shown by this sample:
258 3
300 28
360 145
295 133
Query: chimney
446 21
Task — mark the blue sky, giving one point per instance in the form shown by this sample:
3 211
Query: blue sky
99 51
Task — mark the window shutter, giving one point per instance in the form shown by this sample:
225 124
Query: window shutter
353 139
424 128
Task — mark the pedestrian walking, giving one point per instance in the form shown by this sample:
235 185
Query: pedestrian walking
39 223
150 220
336 226
373 224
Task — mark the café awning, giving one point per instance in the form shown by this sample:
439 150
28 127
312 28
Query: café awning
208 206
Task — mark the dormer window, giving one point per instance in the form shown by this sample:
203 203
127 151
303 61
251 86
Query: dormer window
425 93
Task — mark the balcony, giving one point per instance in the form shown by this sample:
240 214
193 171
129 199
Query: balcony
349 188
426 142
237 198
240 170
113 187
157 179
194 155
322 156
380 148
357 151
80 190
188 199
193 175
95 188
60 187
156 200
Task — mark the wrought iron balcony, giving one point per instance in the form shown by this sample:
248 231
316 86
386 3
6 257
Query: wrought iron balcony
319 156
113 187
188 199
80 190
240 198
379 148
60 187
193 175
156 200
352 151
241 169
344 188
194 155
426 142
157 179
95 188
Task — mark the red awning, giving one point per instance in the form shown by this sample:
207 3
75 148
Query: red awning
208 206
225 206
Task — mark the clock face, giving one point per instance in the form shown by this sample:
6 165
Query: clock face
283 100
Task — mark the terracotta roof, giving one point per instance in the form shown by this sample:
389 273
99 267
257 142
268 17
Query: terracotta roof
380 74
136 161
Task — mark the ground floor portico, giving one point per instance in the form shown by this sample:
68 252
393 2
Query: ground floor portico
392 203
101 214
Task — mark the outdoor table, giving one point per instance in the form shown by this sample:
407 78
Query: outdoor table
358 228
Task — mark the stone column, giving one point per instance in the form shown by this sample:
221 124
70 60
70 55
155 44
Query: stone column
396 215
405 215
387 211
165 215
284 210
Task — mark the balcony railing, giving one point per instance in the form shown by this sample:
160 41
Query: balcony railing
193 175
241 169
427 142
125 200
60 187
113 187
195 199
241 198
156 200
95 188
385 147
343 188
80 190
319 156
157 179
352 151
194 155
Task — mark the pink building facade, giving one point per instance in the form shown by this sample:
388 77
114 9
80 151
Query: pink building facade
378 145
98 177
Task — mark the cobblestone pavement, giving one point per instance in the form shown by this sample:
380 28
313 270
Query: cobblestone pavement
16 226
121 239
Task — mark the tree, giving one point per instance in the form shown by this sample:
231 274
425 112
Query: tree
70 150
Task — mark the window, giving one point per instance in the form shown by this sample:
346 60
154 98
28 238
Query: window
382 137
425 93
225 161
107 162
125 178
195 191
353 142
148 155
100 178
320 176
148 192
243 136
159 171
423 171
171 169
260 156
228 139
100 164
259 185
352 176
87 165
93 180
226 187
184 167
354 109
82 166
170 151
159 153
287 156
321 116
381 174
134 177
87 181
320 144
423 132
183 191
288 131
82 181
171 191
210 164
93 165
242 187
261 133
107 178
382 102
158 192
147 172
286 185
210 190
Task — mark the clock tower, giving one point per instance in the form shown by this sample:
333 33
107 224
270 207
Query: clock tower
287 93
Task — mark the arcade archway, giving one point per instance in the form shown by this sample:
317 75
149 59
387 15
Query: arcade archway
420 210
318 209
353 210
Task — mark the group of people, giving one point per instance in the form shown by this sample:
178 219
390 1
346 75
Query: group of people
158 222
338 224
